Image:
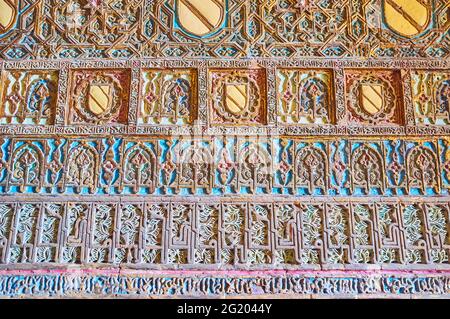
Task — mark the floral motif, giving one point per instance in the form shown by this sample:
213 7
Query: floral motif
169 97
304 97
29 97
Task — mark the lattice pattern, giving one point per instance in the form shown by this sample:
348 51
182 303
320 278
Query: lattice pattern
203 135
243 234
274 28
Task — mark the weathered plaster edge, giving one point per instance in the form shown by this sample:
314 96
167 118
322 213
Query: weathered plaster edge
88 283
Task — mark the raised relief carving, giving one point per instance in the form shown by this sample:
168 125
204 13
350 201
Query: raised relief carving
304 97
99 97
407 17
197 138
8 14
200 17
431 94
169 97
238 97
373 97
28 97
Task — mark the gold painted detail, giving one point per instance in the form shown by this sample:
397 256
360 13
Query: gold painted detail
407 17
236 99
8 14
431 97
238 96
304 96
373 97
99 97
28 97
168 97
200 17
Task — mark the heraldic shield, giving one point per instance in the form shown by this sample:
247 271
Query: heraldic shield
200 17
371 98
407 17
100 98
8 14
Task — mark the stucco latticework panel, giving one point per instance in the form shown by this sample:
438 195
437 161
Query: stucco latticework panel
224 148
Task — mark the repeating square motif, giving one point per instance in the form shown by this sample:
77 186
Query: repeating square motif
28 97
169 96
99 97
431 97
238 97
304 96
373 97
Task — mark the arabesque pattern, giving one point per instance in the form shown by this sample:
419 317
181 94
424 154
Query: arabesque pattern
155 148
256 234
274 28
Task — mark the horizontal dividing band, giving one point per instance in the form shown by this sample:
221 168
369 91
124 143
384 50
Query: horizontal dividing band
219 148
226 234
225 166
170 99
234 29
163 285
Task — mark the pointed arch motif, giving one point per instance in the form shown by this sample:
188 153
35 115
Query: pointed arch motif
422 168
140 168
81 168
196 168
311 169
314 98
442 100
255 168
27 166
368 168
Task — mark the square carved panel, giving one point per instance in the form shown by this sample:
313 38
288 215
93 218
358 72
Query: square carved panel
373 97
431 97
305 96
238 97
28 97
99 97
168 96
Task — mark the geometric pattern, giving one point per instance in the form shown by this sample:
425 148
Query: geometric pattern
272 29
227 234
233 165
166 148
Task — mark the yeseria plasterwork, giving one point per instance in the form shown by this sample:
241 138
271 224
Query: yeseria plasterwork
278 147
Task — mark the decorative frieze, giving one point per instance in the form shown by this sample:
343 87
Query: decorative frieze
262 138
146 285
168 97
220 166
431 93
305 96
224 29
278 233
28 97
